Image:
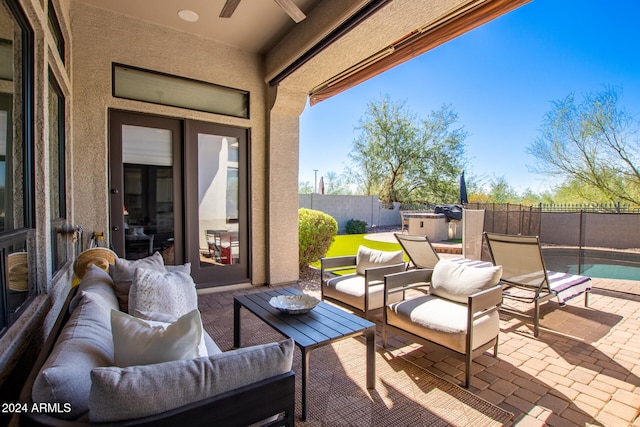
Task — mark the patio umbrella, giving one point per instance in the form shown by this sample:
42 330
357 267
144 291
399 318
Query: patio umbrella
321 185
464 199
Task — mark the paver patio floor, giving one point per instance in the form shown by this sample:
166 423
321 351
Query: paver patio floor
583 368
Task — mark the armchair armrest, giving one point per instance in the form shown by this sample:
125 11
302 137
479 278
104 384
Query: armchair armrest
378 273
405 280
331 263
485 301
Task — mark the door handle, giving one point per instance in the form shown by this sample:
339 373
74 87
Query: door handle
115 228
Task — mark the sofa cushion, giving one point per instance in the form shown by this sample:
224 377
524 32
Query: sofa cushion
138 391
456 282
123 271
369 258
98 282
442 321
143 342
84 343
162 292
182 268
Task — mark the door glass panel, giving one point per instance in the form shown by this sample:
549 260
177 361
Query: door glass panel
218 200
148 192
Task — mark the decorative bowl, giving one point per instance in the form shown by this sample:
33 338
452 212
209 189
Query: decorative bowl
294 304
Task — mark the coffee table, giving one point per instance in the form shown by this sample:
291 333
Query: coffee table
323 325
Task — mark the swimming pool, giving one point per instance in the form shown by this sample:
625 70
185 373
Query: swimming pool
594 262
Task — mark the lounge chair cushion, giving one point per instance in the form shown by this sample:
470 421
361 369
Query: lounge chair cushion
369 258
456 282
441 321
350 290
138 391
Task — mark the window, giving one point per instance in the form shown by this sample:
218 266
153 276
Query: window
57 193
150 86
56 31
17 278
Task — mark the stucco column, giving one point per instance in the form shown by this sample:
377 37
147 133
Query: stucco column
282 185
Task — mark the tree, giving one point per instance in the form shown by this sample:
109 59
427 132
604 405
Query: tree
305 187
593 147
403 160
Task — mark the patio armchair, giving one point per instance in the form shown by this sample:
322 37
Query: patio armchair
418 249
360 291
525 277
460 312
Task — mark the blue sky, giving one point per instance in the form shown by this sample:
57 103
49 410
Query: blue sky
501 78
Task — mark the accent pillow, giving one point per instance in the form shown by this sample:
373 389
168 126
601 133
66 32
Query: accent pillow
169 293
144 342
456 282
139 391
369 258
123 271
98 282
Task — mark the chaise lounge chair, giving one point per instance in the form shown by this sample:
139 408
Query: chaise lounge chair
525 277
419 250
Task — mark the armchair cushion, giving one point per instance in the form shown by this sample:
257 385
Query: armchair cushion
456 282
138 391
441 321
368 258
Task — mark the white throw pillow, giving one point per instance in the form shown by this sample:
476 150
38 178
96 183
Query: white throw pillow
169 293
456 282
370 258
145 342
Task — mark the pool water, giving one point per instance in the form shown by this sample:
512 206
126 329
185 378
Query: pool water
607 265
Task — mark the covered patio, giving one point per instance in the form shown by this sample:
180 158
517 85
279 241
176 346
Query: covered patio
581 370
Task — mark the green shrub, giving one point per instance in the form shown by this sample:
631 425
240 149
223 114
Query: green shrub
316 233
355 226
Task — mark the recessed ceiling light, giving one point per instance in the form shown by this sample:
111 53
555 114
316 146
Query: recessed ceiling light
188 15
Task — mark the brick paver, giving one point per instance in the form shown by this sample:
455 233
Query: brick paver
581 370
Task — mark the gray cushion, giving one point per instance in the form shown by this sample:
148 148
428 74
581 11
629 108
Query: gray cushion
162 292
138 391
369 258
98 282
182 268
84 343
123 271
456 282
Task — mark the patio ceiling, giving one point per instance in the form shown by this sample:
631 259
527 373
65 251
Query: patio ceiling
254 26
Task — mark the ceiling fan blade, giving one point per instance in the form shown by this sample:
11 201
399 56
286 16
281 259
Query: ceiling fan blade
292 10
228 8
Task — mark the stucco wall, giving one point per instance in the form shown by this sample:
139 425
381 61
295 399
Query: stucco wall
343 208
101 38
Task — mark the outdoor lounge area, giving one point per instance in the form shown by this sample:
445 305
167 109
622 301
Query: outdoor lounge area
581 370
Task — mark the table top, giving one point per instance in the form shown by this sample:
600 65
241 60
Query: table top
325 323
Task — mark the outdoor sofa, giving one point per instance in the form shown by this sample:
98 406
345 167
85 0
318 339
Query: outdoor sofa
76 381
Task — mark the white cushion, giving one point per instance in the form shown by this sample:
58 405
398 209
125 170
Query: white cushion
138 391
442 321
182 268
369 258
144 342
456 282
162 292
123 271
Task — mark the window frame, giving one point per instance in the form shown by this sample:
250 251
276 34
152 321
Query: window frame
25 234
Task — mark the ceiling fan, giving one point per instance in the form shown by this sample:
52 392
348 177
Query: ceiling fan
287 5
